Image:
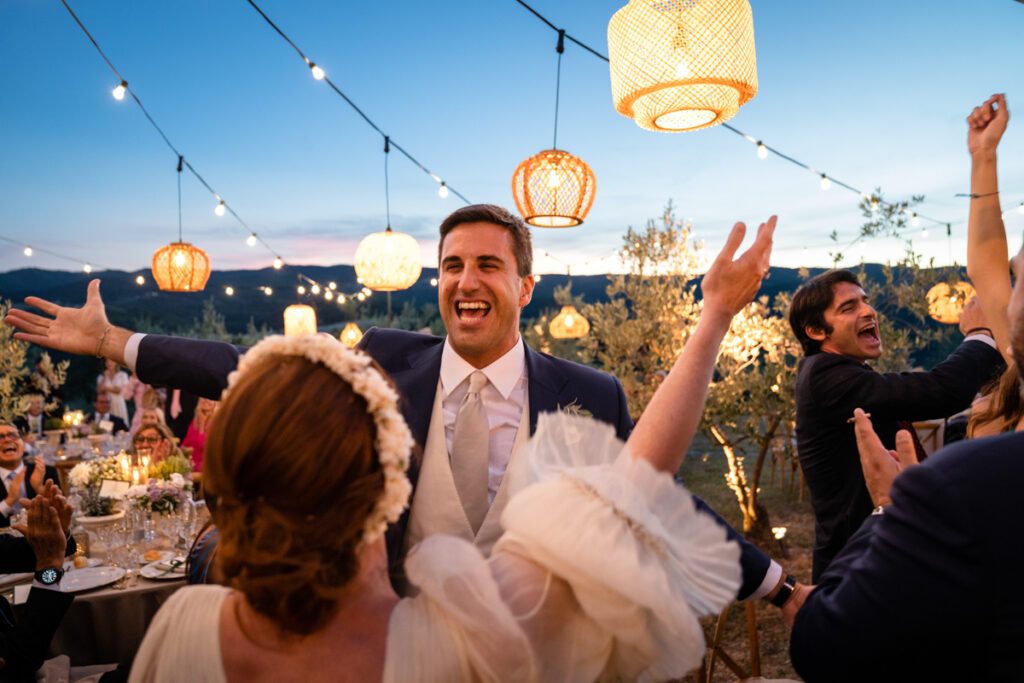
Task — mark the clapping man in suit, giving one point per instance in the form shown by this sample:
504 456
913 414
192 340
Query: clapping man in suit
24 642
102 415
482 371
18 480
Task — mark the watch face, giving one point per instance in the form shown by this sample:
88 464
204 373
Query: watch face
49 576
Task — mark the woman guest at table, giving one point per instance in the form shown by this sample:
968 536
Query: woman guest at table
158 440
112 382
197 429
149 417
612 591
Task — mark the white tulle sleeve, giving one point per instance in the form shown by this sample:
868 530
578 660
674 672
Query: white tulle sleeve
640 562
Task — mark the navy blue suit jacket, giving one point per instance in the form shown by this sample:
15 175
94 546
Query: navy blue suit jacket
413 361
50 473
930 589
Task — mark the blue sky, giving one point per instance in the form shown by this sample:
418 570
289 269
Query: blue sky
873 93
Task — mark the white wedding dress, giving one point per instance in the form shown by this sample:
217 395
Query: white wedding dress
601 574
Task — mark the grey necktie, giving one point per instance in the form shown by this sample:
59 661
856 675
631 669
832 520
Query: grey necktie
471 452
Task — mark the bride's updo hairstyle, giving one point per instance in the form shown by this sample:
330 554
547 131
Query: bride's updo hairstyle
291 460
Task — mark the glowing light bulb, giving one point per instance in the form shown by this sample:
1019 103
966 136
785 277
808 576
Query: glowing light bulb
554 179
28 251
341 298
762 151
140 280
229 290
268 291
220 208
682 70
87 267
361 296
825 182
179 258
433 282
915 221
251 240
569 321
328 295
924 232
332 286
315 289
367 291
301 290
278 263
120 90
318 73
1021 207
536 278
874 205
442 191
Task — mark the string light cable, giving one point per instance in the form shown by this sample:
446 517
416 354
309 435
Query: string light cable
320 75
30 250
119 93
762 149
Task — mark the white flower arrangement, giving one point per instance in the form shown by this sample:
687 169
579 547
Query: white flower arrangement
160 495
89 474
394 440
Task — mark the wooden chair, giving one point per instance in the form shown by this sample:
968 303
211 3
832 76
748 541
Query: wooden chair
715 651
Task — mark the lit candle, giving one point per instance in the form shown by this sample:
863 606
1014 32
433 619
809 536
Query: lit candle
124 464
135 476
145 462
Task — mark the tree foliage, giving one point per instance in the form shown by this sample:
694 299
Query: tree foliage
16 374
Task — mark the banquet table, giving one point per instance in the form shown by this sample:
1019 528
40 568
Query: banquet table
106 625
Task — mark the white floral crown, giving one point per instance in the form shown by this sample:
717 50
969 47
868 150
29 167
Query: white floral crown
394 440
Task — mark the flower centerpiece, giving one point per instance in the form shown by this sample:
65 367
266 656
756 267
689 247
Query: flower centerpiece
161 496
86 479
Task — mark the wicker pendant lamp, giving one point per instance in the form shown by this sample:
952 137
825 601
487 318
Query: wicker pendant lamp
351 335
180 267
299 319
682 64
554 189
569 324
945 303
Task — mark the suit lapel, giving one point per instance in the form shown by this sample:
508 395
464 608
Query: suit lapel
418 385
544 382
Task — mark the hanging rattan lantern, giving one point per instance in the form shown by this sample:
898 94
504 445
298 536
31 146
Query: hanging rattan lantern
553 189
351 335
387 261
569 324
682 64
180 267
945 303
299 319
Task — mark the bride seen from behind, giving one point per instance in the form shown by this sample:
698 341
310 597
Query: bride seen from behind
306 460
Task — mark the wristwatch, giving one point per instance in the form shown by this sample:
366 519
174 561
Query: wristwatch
785 590
49 576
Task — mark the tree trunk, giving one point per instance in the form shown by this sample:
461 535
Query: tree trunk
756 525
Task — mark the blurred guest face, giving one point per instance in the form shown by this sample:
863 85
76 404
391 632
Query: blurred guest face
109 366
150 417
35 408
151 438
102 404
11 447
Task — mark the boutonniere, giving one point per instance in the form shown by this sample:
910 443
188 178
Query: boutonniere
576 409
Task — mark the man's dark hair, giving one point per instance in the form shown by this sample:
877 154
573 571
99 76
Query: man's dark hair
522 245
810 303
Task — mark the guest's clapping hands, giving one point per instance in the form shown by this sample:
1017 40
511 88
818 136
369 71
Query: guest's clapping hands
880 465
14 488
43 532
730 285
38 472
986 124
57 501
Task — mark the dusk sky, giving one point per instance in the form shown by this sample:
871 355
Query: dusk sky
873 93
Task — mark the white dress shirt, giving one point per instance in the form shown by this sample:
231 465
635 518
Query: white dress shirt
503 397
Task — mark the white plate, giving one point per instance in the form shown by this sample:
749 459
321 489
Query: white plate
89 578
158 572
69 564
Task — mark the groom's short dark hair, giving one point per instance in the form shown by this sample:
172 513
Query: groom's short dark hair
522 244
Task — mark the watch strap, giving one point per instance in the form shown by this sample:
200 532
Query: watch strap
785 590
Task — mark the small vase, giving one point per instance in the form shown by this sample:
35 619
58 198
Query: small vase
96 522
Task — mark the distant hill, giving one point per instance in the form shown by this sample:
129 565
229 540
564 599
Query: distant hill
128 303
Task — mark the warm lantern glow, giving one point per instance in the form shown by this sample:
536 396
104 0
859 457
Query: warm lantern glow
553 189
180 267
569 324
120 90
681 64
945 303
299 319
387 261
351 335
139 280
